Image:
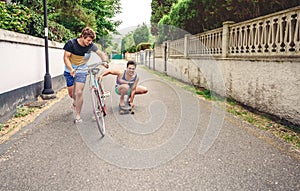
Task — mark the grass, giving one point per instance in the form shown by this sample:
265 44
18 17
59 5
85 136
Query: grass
280 129
21 116
27 114
23 111
283 130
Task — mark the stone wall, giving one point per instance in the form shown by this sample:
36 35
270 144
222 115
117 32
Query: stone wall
23 68
269 86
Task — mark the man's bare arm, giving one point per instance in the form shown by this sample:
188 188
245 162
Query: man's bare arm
103 57
68 63
133 92
108 72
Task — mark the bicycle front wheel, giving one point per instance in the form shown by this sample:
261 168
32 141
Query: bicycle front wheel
98 111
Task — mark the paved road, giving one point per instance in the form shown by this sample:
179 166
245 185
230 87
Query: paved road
175 141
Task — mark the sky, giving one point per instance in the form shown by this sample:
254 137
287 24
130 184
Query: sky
134 12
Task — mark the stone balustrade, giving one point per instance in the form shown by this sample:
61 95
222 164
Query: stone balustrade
177 47
277 34
272 35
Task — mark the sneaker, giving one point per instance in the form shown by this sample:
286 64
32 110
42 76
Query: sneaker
78 121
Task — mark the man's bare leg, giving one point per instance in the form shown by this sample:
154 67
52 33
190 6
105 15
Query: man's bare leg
72 95
78 98
141 90
123 90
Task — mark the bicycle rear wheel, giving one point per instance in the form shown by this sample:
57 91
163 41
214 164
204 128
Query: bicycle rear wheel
98 111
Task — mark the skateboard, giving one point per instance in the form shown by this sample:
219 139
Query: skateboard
126 110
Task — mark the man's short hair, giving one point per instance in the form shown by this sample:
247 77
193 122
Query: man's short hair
88 32
131 62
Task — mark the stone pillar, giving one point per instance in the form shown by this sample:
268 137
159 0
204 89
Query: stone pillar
225 37
146 56
149 58
186 45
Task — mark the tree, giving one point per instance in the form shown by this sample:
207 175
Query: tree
187 15
77 14
164 29
106 41
159 9
104 11
196 16
127 42
141 34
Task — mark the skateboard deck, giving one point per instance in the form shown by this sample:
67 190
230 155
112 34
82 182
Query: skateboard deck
126 110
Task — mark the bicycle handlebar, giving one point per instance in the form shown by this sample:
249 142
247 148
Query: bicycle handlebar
89 67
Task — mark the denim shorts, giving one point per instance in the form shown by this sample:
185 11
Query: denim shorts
79 77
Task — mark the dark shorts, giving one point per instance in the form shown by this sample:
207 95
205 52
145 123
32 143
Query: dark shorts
80 77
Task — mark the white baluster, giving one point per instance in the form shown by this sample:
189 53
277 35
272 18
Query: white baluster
297 33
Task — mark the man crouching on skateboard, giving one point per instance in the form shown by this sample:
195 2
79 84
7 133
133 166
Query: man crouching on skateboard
126 84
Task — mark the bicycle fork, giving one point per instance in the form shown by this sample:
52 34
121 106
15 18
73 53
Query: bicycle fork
97 88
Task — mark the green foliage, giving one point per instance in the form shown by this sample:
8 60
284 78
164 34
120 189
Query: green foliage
59 33
141 34
137 40
23 111
104 11
143 46
131 49
159 9
66 18
14 17
205 93
73 16
106 41
231 101
35 5
185 15
36 26
172 26
196 16
127 43
164 29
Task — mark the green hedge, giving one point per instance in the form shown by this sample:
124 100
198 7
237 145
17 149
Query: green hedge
59 33
18 18
143 46
14 17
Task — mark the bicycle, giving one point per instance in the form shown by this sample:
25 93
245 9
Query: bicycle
97 95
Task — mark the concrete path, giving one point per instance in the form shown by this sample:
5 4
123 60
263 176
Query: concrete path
175 141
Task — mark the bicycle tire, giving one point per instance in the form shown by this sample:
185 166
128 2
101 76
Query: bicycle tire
98 111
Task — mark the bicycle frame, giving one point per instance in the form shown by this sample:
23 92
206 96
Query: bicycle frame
94 84
97 96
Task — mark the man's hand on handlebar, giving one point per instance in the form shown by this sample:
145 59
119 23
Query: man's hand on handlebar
105 64
100 78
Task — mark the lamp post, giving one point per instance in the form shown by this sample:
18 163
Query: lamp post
47 93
